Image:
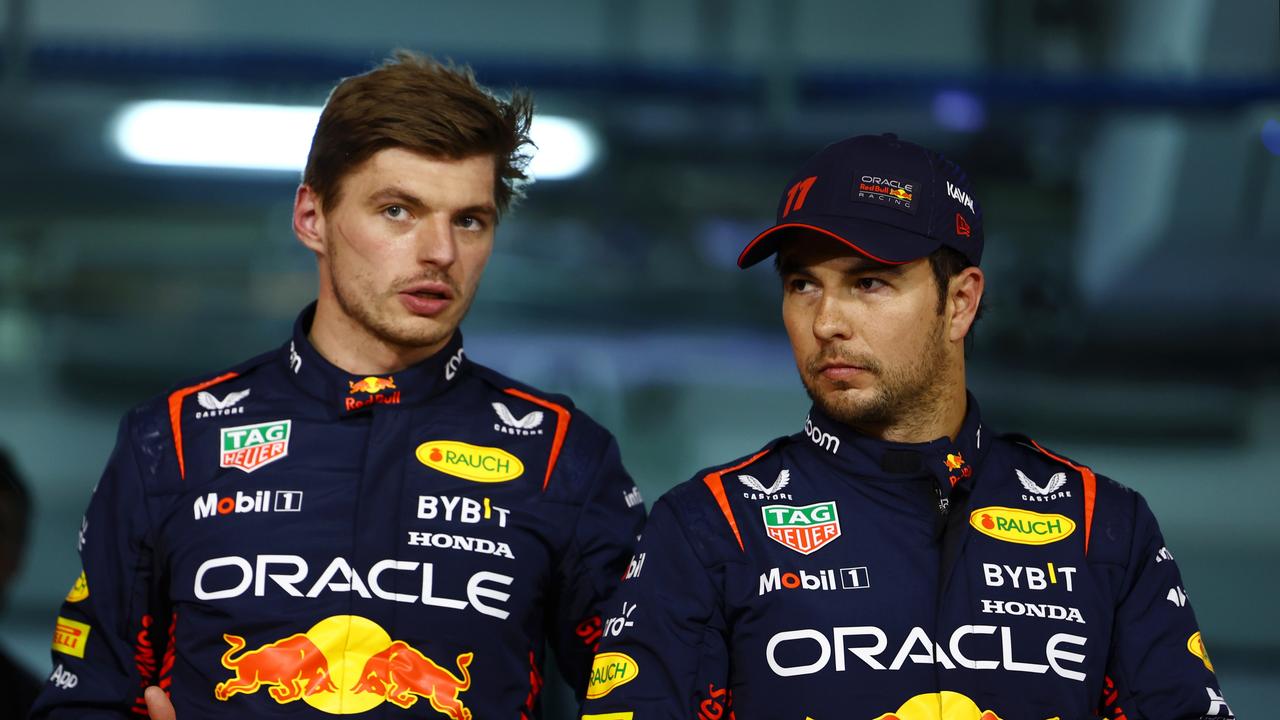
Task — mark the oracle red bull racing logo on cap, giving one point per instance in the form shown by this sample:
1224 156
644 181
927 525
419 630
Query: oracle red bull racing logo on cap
1021 526
805 529
249 447
343 665
470 462
945 705
892 192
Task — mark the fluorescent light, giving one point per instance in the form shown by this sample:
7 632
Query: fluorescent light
217 135
278 137
566 147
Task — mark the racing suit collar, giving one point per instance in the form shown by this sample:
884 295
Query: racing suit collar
949 461
345 393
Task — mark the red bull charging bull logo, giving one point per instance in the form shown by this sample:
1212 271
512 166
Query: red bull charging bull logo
344 665
945 705
373 387
956 468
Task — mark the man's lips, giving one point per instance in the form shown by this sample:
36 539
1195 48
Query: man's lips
842 371
430 289
426 298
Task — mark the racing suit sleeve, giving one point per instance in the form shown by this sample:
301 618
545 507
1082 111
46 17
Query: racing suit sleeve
604 536
1158 668
664 653
106 633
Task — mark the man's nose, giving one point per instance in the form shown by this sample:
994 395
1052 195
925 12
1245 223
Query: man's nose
436 244
831 321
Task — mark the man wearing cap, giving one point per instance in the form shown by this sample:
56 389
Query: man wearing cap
894 558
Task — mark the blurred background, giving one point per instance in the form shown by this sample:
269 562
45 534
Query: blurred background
1127 155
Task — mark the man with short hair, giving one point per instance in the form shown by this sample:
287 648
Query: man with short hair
362 520
896 558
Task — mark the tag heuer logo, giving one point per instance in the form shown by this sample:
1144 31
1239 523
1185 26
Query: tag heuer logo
803 529
249 447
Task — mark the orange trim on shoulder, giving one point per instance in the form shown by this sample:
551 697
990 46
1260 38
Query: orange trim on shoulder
562 428
715 482
1090 490
175 414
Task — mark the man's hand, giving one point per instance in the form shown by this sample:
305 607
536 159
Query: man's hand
158 705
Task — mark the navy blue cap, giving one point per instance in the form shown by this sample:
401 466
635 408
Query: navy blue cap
886 198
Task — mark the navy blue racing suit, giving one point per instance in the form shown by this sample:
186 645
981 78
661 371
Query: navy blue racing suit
833 576
286 538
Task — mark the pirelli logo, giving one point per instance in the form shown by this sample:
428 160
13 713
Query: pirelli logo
70 637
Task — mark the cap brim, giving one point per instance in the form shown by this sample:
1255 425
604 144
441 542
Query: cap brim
877 241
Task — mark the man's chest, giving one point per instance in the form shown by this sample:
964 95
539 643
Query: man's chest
428 514
874 588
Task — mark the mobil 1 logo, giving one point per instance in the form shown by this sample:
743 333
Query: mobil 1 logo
259 501
850 578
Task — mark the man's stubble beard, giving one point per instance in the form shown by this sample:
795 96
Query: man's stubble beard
363 310
901 396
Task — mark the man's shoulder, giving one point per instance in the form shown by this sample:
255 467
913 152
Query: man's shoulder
520 406
1107 511
155 426
708 483
202 388
501 384
1021 450
249 369
710 503
579 451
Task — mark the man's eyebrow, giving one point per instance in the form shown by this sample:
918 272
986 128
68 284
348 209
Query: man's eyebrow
391 193
483 209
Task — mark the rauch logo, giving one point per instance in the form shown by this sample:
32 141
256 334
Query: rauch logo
470 462
1021 526
610 670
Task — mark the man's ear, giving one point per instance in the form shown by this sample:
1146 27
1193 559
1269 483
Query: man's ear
308 219
964 294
